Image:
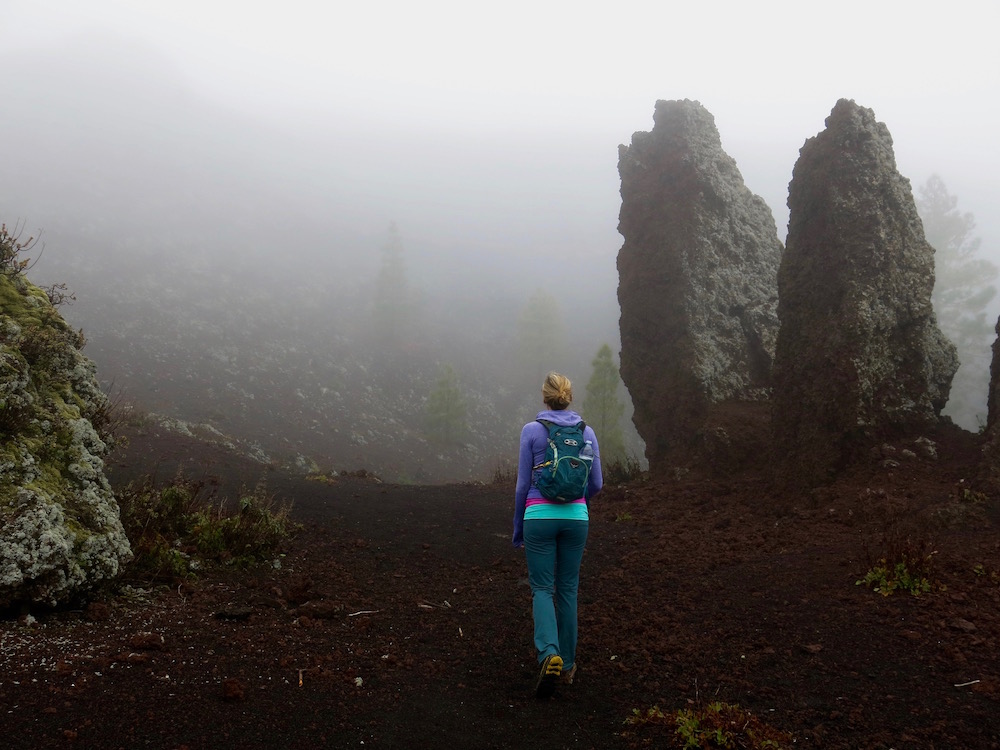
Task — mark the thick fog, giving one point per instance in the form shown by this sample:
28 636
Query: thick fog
228 175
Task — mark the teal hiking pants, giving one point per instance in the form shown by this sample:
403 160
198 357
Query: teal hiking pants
554 550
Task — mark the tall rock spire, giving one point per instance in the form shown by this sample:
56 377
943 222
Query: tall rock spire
697 284
859 354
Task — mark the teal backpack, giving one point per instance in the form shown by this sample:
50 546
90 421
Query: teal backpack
562 476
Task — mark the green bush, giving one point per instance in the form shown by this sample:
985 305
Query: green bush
887 579
717 725
898 549
621 470
156 560
170 527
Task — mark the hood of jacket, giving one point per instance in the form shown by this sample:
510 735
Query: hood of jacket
563 418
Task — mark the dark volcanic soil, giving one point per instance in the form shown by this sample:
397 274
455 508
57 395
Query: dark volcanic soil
400 617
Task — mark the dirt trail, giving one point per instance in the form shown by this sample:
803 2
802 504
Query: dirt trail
400 617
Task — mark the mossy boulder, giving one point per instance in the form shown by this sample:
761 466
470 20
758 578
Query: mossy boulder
60 529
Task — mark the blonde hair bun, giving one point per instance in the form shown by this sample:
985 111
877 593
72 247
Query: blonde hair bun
557 391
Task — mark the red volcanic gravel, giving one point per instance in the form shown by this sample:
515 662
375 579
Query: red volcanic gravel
399 616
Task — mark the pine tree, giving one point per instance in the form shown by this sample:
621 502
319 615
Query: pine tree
602 409
392 294
540 338
962 290
446 408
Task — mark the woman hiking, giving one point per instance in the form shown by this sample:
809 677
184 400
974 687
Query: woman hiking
552 527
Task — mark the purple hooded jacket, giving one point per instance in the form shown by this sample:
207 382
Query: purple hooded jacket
534 441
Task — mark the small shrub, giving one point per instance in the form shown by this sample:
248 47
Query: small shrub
650 716
112 415
156 560
150 511
981 571
11 248
622 469
256 531
42 346
974 497
505 473
167 525
59 294
207 535
898 551
965 507
717 725
886 579
175 502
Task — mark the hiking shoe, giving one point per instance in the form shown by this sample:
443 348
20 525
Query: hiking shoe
548 676
566 678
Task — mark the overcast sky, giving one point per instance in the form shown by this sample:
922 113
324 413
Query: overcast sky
562 84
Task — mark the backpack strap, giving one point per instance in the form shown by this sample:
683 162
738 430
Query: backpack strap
548 429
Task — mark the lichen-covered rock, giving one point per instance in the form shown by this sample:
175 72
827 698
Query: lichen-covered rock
60 530
859 355
697 286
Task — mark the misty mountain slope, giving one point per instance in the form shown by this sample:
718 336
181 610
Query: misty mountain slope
291 373
284 382
225 268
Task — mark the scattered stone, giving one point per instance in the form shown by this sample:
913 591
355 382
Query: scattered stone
238 614
97 612
147 642
260 601
697 288
321 609
859 355
926 447
963 625
233 690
